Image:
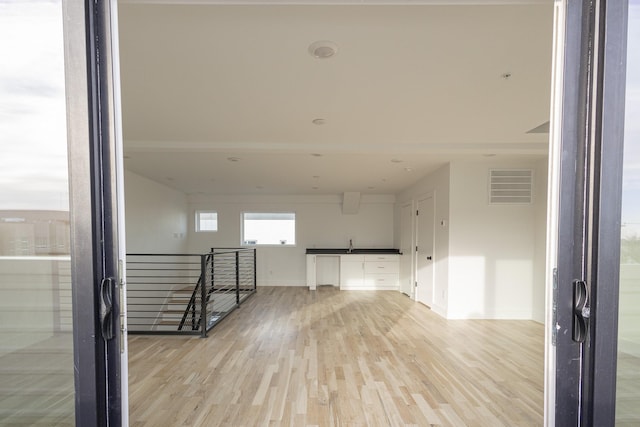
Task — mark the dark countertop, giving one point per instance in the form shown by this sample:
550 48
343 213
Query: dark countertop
355 251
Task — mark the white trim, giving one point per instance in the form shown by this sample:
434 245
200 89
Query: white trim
120 213
555 127
395 147
341 2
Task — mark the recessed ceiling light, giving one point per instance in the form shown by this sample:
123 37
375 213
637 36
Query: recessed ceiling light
318 122
408 169
323 49
396 161
233 159
316 154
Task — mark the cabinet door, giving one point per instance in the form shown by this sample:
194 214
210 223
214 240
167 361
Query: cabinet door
311 272
351 274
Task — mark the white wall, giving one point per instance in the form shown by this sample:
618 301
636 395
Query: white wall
492 248
156 216
320 223
489 259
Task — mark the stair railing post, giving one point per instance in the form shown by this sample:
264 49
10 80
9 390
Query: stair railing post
203 296
255 269
238 277
213 283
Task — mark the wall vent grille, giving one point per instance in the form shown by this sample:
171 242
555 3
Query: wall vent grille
510 186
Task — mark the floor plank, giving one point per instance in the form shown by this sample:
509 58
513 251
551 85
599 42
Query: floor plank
293 357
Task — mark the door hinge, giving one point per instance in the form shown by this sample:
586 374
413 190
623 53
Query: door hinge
123 318
415 284
417 212
416 249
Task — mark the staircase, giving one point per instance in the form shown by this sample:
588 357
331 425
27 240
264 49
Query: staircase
166 291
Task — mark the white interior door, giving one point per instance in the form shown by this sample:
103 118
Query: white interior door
406 247
424 251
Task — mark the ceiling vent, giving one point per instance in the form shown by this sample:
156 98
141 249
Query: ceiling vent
510 186
350 203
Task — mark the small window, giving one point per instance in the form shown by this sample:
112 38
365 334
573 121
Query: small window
269 229
206 221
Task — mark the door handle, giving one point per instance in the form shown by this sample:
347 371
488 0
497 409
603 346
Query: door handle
581 311
429 258
106 307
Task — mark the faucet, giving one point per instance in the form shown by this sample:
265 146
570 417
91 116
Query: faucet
350 246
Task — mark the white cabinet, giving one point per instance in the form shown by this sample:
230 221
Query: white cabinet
322 270
328 270
372 272
364 272
381 271
351 271
311 272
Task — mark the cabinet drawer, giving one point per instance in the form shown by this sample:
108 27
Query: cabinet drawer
381 281
381 268
385 258
351 258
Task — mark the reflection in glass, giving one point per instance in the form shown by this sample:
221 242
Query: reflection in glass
628 378
36 350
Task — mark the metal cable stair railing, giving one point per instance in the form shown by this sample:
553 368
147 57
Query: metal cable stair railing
161 297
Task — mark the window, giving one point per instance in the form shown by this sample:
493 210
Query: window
206 221
269 229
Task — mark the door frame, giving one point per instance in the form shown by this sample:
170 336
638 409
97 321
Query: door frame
410 230
430 195
92 99
587 151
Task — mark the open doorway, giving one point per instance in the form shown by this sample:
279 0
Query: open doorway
287 108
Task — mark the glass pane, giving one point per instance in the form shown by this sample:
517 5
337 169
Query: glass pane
36 348
207 221
628 378
269 229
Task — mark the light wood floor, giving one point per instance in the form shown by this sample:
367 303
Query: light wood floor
291 357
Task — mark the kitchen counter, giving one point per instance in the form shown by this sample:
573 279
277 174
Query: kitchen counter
355 251
358 269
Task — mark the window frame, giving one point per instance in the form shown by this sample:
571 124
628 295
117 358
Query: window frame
243 241
197 221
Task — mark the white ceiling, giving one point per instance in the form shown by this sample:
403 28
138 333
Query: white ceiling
411 87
